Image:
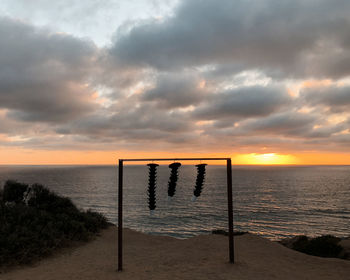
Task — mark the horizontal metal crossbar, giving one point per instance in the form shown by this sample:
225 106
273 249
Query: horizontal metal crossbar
170 159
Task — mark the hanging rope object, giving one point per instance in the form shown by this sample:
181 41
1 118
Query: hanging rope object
199 181
173 179
152 179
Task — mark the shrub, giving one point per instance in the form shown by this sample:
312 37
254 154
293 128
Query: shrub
47 200
323 246
48 222
13 191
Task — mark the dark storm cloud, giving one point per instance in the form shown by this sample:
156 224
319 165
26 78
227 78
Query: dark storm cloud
42 75
148 117
174 90
9 126
243 102
337 98
290 123
293 124
287 130
295 37
125 121
45 102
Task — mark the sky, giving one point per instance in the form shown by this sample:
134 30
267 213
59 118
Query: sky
88 82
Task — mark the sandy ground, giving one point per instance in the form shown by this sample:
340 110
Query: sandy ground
202 257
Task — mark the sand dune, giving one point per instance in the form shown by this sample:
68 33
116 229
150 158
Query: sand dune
202 257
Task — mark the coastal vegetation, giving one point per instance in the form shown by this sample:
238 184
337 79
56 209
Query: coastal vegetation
34 222
327 246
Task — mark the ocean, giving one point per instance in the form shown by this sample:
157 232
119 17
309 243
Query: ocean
272 201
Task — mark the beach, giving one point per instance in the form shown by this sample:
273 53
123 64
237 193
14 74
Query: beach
200 257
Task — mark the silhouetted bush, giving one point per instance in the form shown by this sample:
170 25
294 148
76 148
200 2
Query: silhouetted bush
44 199
48 222
323 246
13 191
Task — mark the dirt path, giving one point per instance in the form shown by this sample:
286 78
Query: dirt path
203 257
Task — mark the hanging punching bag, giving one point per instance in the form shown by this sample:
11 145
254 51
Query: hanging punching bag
173 179
199 181
152 179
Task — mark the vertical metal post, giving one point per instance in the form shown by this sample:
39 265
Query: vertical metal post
230 210
120 216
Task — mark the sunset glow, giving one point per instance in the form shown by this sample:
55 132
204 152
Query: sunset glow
266 159
25 156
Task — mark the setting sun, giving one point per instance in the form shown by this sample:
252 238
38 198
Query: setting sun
265 159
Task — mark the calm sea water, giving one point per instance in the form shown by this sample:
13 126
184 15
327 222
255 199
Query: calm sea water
275 202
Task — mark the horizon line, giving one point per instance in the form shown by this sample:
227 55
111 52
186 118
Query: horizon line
124 161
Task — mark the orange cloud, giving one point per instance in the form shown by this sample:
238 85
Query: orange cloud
316 83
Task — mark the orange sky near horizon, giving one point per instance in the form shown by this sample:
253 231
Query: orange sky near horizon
14 156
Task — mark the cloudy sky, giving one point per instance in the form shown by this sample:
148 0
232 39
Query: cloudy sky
90 81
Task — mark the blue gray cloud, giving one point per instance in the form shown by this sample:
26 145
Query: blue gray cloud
43 76
209 74
289 38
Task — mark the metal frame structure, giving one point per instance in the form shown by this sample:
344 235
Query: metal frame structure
120 202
